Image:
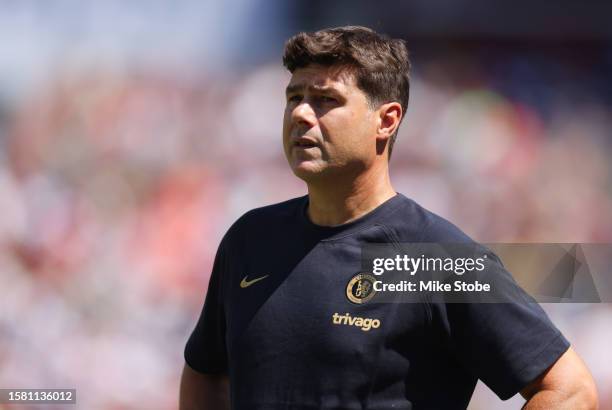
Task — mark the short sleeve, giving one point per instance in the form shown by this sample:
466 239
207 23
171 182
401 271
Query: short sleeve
508 344
205 351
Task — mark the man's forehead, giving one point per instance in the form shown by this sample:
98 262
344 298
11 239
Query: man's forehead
318 76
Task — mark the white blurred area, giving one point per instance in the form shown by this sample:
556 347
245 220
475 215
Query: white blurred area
130 142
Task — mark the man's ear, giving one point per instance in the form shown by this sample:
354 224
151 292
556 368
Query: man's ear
389 117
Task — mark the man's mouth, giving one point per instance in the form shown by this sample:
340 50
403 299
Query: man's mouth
304 143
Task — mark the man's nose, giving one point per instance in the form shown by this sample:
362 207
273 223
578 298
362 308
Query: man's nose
303 113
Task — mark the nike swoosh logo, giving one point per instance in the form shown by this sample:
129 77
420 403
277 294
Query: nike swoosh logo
246 283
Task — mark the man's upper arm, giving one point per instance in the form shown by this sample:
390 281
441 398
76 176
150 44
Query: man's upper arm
204 382
205 350
203 391
567 381
507 344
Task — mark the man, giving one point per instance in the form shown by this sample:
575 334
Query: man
284 326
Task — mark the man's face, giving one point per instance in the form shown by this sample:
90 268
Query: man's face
328 127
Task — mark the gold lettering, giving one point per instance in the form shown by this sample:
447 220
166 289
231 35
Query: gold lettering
359 289
364 323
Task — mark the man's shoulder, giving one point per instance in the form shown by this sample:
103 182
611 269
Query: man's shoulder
267 217
280 210
418 224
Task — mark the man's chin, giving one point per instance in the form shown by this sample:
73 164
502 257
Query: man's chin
308 172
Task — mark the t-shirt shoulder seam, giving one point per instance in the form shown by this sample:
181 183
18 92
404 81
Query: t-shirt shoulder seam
429 225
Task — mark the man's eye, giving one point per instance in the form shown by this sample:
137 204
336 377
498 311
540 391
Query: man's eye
327 99
294 98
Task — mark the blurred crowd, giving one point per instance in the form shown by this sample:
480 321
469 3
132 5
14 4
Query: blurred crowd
117 185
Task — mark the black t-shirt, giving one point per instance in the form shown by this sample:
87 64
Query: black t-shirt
272 321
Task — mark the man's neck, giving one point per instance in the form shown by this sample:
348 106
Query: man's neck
337 203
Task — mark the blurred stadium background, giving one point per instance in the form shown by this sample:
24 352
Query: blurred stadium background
133 134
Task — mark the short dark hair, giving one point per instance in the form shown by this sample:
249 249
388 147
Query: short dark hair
380 64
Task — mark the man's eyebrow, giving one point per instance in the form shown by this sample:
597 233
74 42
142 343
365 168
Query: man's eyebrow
293 88
314 87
